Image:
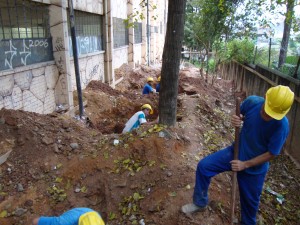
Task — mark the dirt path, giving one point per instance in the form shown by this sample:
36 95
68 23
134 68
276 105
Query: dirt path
58 163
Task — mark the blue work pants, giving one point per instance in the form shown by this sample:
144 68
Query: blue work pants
250 186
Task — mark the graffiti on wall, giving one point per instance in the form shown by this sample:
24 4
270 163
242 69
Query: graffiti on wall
86 45
23 52
91 73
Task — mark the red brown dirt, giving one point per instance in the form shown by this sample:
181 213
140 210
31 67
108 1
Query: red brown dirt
145 176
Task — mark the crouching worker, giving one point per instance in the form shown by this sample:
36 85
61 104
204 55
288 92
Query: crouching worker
76 216
139 118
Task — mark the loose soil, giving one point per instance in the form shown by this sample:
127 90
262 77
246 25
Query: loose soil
58 162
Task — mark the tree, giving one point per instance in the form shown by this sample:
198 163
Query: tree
171 61
290 4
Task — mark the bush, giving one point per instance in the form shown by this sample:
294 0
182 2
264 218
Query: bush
291 60
239 50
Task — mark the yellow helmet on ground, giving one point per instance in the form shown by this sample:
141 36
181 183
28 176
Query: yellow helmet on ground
150 79
278 102
158 79
91 218
147 106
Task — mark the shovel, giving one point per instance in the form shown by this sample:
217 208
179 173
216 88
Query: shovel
235 156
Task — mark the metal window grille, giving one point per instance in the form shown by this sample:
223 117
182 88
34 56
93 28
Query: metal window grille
89 34
120 32
24 33
23 19
137 33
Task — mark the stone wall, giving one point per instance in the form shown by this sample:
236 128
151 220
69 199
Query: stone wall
31 89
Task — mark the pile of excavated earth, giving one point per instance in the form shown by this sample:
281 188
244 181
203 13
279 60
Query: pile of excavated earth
58 162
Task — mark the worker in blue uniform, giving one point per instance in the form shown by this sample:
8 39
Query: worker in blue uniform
75 216
157 88
148 89
264 131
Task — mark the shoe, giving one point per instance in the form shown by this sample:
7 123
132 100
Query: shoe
192 208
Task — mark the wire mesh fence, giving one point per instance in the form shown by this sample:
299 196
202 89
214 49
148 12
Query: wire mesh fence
267 54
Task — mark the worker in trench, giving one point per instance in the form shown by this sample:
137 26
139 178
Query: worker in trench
148 88
263 133
157 87
139 118
75 216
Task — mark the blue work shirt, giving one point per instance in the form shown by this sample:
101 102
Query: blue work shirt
259 136
70 217
158 87
135 121
147 89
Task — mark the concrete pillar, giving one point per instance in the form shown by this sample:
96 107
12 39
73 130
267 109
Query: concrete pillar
131 36
153 39
60 42
144 38
109 75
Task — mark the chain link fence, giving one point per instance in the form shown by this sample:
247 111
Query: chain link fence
267 53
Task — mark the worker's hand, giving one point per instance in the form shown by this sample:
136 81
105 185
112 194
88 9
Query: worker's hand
237 121
237 165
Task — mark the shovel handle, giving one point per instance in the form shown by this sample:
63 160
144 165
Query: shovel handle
235 156
237 129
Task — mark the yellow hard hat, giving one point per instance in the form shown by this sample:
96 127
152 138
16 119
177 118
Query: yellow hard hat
147 106
150 79
278 102
90 218
158 79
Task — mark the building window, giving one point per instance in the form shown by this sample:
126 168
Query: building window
24 33
137 33
89 34
120 33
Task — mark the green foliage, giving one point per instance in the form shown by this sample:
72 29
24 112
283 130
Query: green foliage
291 60
239 50
137 15
212 64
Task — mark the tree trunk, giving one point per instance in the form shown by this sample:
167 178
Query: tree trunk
286 32
171 62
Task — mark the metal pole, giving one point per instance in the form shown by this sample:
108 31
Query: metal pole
148 34
255 54
75 56
270 44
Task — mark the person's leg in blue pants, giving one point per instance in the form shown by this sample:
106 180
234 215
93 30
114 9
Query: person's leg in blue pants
250 187
207 168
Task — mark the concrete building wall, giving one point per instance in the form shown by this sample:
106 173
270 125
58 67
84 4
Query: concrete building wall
42 86
120 55
91 67
137 48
